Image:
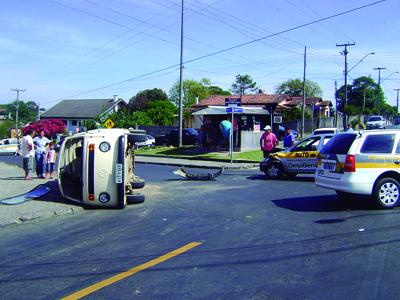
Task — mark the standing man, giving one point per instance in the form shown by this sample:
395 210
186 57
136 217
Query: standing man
41 142
288 140
27 153
268 141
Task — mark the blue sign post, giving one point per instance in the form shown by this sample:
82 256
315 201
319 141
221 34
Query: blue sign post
232 107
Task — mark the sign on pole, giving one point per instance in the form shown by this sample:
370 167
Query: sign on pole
233 101
109 123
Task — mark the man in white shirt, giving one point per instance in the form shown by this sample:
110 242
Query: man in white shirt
41 142
27 153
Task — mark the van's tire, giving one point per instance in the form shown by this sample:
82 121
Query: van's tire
138 184
387 192
274 170
135 198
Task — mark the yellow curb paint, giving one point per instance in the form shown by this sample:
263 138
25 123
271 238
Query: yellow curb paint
97 286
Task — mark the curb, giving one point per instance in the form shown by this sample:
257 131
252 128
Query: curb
188 165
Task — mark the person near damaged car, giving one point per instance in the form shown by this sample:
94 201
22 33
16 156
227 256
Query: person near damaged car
41 143
288 139
268 141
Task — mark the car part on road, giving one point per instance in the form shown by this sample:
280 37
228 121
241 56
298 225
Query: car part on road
38 192
190 176
387 192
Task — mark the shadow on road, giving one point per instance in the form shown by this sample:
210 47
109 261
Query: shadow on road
55 195
297 178
329 203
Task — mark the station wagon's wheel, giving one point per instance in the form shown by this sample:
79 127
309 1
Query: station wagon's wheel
274 170
387 192
135 198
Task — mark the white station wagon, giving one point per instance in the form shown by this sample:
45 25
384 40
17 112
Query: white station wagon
366 163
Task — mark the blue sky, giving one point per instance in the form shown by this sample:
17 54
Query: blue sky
56 49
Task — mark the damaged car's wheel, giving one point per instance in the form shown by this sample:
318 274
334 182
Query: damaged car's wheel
274 170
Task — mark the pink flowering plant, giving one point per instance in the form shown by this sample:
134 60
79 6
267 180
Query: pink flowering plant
49 126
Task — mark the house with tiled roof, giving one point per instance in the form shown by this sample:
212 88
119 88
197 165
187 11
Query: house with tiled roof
75 111
256 111
315 106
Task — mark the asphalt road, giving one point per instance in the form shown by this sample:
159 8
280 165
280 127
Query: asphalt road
258 239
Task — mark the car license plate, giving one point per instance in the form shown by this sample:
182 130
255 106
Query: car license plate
329 165
118 173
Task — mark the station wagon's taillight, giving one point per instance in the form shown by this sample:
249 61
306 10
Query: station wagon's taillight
350 163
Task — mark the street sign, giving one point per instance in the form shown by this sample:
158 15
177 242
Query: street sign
233 101
235 109
109 123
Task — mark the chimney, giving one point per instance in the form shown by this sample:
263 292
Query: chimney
115 98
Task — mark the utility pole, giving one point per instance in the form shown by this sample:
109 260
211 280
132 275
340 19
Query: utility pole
336 105
181 84
345 52
397 101
16 108
379 78
304 92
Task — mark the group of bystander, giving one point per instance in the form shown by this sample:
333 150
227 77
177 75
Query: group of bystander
40 148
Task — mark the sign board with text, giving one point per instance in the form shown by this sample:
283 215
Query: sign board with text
235 109
233 101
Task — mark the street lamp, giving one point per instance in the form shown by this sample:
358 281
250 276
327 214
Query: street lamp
371 53
346 72
390 76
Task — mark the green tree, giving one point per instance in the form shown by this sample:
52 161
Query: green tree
27 112
242 84
363 96
294 87
142 98
161 112
294 113
125 119
192 90
216 90
5 128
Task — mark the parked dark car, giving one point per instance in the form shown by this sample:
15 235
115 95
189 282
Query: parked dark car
190 136
396 120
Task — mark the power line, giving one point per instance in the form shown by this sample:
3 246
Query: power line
235 46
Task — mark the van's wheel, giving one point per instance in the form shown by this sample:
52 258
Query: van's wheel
274 170
387 192
138 183
135 198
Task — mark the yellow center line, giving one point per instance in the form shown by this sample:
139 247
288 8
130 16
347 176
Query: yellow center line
97 286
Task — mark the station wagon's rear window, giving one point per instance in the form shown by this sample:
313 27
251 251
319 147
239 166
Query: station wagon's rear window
382 143
339 144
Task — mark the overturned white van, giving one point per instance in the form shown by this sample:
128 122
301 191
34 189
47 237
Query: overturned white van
97 168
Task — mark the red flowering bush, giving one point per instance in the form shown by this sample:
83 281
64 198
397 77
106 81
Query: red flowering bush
49 126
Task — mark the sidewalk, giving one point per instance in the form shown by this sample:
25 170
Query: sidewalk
13 184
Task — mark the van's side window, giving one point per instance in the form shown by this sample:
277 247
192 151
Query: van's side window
382 143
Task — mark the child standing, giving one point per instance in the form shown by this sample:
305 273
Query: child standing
50 159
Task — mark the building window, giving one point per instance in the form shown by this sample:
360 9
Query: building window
73 123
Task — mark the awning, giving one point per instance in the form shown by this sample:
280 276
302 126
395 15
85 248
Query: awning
221 110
